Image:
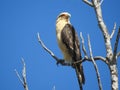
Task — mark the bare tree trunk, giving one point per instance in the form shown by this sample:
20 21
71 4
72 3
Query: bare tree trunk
114 76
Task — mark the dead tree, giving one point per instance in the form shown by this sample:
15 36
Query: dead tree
111 54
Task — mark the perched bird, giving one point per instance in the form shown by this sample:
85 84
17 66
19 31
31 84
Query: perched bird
69 44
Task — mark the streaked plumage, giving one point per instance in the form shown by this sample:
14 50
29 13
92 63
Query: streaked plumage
69 44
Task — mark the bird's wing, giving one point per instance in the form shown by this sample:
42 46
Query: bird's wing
70 39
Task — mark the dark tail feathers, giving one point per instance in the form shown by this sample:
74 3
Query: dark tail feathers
80 75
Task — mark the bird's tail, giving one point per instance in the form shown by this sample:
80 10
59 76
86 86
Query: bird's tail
80 75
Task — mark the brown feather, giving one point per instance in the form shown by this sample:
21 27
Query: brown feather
69 44
70 40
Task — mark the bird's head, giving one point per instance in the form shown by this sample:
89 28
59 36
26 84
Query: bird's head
63 16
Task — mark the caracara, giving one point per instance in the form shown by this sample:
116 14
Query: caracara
69 44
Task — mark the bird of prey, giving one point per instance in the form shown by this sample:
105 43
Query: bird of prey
69 44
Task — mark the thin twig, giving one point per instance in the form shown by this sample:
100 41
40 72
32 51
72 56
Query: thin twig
19 77
100 3
95 65
118 54
59 61
116 44
88 2
95 58
83 46
23 79
53 87
24 74
113 31
48 50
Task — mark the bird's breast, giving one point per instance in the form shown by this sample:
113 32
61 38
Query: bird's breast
63 48
59 27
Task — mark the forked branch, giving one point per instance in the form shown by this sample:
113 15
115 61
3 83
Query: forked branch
86 58
103 27
23 79
83 46
116 44
61 61
113 31
95 65
111 54
88 2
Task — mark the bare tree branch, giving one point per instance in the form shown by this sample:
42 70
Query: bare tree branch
118 54
110 54
24 75
95 58
83 46
95 65
97 7
49 51
86 56
19 77
100 58
88 2
100 3
103 28
23 79
116 44
53 88
113 31
59 61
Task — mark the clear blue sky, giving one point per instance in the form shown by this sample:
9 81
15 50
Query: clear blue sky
20 20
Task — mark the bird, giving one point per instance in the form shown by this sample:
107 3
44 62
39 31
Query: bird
69 44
